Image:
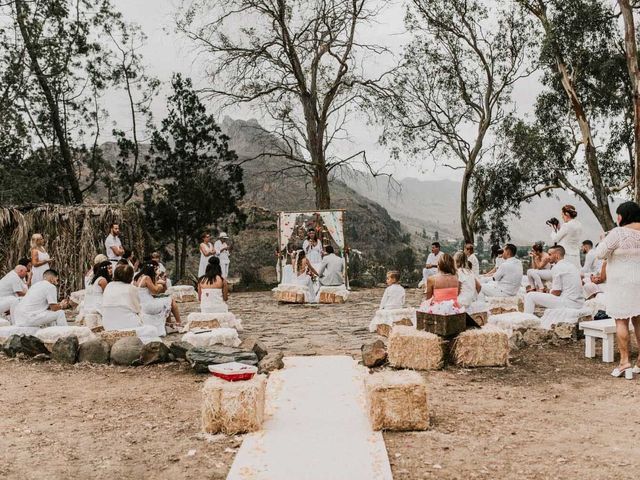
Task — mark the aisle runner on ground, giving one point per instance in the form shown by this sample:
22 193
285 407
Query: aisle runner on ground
316 426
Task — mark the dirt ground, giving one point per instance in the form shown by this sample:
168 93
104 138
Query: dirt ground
550 414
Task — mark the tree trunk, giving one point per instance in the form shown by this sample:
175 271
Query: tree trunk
321 186
631 50
183 257
177 255
54 112
467 229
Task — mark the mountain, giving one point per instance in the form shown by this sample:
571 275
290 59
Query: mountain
434 206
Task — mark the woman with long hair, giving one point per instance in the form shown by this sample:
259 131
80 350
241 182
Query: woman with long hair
213 289
206 252
569 235
469 284
621 250
444 285
40 259
102 276
155 310
304 273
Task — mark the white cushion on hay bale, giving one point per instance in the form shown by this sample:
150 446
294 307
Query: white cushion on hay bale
183 293
7 331
291 293
218 336
50 335
333 294
389 317
553 316
514 320
197 320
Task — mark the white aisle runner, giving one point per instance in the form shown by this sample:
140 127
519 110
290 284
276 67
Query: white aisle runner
316 426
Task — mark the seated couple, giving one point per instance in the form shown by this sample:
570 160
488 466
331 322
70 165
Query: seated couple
329 274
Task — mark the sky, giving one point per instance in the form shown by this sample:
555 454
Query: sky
166 52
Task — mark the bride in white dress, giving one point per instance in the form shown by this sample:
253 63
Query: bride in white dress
213 289
621 249
40 259
312 247
155 309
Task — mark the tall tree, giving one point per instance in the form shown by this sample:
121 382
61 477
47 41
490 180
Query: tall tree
198 178
580 54
300 63
453 87
631 50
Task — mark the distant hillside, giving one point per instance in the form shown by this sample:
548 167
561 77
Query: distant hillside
434 206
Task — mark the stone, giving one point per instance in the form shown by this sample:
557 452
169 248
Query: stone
94 351
516 341
65 350
154 352
126 351
41 357
179 349
201 357
271 362
374 354
566 331
536 336
252 344
27 345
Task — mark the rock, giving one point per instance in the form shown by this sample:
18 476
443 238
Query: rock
41 357
65 350
179 349
252 344
516 341
271 362
94 351
374 354
536 336
27 345
566 331
201 357
154 352
126 351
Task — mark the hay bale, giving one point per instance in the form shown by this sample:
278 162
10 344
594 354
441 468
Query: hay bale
481 347
233 407
183 293
415 349
500 305
112 336
514 320
384 330
289 296
92 320
209 320
397 401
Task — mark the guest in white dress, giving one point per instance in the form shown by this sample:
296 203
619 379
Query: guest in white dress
88 276
40 259
156 310
569 235
469 250
213 289
287 271
222 252
469 285
304 273
206 252
621 250
312 248
101 277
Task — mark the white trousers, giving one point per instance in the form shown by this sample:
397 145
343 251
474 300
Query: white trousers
537 277
42 319
225 269
426 273
8 303
546 300
491 289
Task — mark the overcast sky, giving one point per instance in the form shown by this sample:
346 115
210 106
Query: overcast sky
167 52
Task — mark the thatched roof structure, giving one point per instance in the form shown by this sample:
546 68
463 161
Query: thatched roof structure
74 235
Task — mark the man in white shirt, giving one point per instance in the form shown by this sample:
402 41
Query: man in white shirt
12 287
331 268
566 289
471 257
40 306
592 265
113 245
508 277
222 252
431 266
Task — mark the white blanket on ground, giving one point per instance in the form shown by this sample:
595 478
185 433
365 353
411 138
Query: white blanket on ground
553 316
7 331
514 320
52 334
206 338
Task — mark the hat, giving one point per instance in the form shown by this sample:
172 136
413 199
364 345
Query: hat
223 235
100 258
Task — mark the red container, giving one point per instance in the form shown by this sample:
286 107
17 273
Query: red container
233 371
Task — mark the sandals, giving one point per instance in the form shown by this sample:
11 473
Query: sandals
627 372
636 369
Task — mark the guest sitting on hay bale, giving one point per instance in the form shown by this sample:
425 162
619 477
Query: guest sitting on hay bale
156 309
443 289
508 277
469 285
392 307
540 271
40 306
101 277
213 289
88 276
304 273
331 269
12 288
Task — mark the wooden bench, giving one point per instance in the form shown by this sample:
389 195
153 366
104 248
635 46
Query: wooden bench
604 329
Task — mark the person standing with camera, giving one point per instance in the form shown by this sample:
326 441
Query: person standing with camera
568 235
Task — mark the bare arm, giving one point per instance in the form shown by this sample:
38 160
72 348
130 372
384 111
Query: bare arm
225 290
429 289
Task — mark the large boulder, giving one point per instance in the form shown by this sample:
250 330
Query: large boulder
179 349
252 344
27 345
536 336
271 362
65 350
94 351
126 351
154 352
566 331
374 354
201 357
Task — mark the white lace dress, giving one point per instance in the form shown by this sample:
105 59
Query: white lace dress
621 249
